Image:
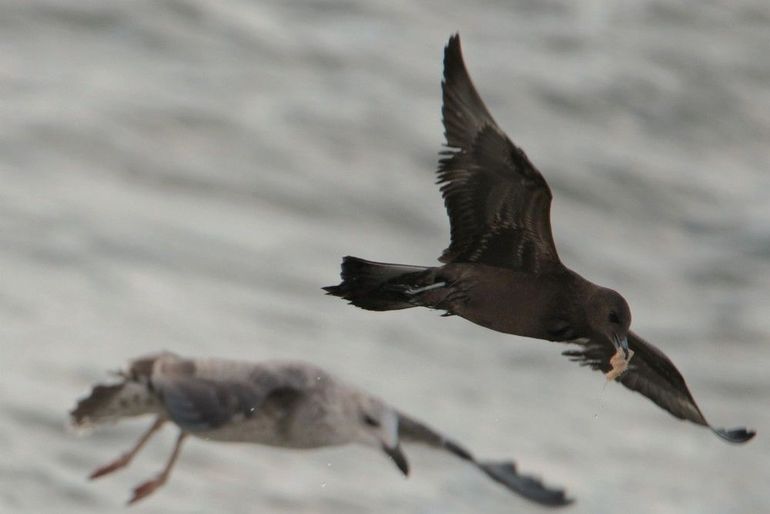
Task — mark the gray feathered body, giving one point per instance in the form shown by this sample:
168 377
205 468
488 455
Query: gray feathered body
278 403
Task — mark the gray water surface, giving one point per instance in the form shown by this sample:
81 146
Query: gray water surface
186 175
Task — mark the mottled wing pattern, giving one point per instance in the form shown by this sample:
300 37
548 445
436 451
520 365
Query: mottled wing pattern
498 203
198 403
653 374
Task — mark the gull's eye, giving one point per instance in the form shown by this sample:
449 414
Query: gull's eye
371 421
614 318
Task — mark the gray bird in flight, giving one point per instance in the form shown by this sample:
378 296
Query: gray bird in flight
501 269
284 404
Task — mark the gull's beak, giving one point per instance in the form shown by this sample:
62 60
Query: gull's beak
398 457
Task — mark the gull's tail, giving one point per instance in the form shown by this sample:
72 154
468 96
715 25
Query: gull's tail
109 403
503 472
130 397
377 286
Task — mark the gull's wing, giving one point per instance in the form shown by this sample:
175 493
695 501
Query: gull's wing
198 403
498 202
653 374
505 473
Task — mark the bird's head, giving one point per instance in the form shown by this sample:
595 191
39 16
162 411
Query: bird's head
376 424
609 318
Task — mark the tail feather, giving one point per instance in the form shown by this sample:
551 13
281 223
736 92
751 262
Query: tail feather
87 408
112 402
379 286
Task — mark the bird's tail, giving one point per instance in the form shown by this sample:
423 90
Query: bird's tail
111 402
377 286
132 396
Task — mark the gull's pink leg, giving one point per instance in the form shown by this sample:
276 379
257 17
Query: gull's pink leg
148 487
125 459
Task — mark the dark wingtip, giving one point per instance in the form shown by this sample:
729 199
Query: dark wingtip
452 53
454 41
527 486
735 435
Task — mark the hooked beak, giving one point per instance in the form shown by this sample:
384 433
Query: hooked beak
621 344
398 457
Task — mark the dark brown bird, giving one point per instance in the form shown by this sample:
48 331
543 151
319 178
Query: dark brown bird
502 270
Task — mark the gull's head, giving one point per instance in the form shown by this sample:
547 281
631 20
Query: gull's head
376 424
609 317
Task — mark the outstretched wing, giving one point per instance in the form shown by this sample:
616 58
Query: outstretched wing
653 374
503 472
498 203
197 404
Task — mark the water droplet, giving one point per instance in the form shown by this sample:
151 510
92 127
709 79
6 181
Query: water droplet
328 464
596 416
323 484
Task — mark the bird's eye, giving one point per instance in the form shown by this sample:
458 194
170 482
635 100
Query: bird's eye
371 421
614 318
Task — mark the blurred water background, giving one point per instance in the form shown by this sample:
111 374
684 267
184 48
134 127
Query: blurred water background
186 175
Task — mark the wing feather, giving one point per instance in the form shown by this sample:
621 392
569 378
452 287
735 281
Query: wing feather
498 202
208 397
652 374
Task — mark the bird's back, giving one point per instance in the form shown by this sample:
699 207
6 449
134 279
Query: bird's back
286 403
280 403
